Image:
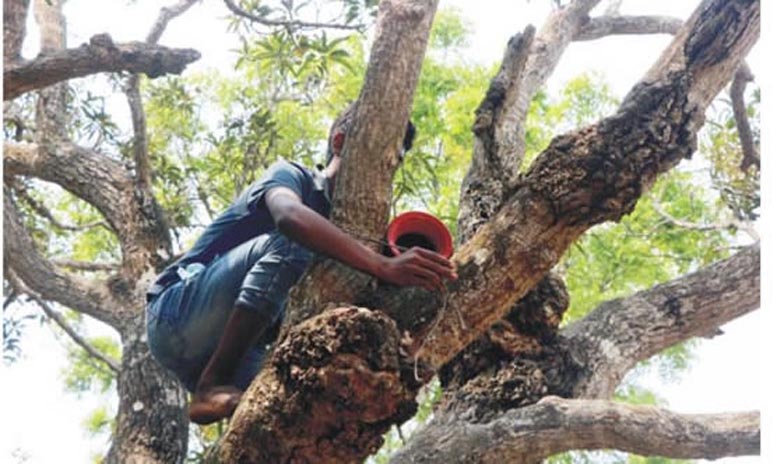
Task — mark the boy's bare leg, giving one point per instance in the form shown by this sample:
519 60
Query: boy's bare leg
215 397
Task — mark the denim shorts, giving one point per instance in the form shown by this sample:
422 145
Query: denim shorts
184 323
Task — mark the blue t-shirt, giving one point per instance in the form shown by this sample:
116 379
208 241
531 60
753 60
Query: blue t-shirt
248 217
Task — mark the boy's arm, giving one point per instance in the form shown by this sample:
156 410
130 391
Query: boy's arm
417 266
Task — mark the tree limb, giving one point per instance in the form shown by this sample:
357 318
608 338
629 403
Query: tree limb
100 55
62 323
106 185
618 334
88 297
554 425
481 192
49 216
498 145
590 176
603 26
132 90
750 154
291 24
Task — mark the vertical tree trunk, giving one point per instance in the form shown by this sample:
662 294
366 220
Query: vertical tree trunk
152 424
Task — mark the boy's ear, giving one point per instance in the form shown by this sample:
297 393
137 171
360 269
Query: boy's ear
338 141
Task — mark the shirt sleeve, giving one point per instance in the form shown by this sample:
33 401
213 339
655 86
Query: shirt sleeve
280 174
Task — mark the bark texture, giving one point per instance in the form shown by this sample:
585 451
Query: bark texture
341 374
584 178
620 333
555 425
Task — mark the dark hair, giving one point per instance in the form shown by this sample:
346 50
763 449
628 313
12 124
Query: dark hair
343 121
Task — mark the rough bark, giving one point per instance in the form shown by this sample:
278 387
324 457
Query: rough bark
584 178
593 175
555 425
480 195
371 155
615 336
100 55
525 357
498 141
152 423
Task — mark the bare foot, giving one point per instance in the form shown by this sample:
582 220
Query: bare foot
212 404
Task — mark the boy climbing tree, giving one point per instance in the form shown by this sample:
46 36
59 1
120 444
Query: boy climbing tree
209 314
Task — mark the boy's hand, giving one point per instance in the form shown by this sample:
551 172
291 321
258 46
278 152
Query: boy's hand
419 267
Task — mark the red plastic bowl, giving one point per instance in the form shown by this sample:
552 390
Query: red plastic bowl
420 223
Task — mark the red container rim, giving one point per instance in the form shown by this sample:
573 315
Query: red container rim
419 222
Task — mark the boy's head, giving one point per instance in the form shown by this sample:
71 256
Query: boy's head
340 127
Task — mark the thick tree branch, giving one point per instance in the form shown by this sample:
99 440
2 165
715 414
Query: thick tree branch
100 55
596 28
619 333
750 153
86 296
62 323
291 24
498 143
103 183
555 425
482 193
590 176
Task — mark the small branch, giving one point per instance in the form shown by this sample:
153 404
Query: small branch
604 26
555 425
750 154
61 322
100 55
132 90
732 223
167 14
619 333
85 266
49 216
291 24
20 256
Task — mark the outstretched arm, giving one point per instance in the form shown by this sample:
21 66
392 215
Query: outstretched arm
417 266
